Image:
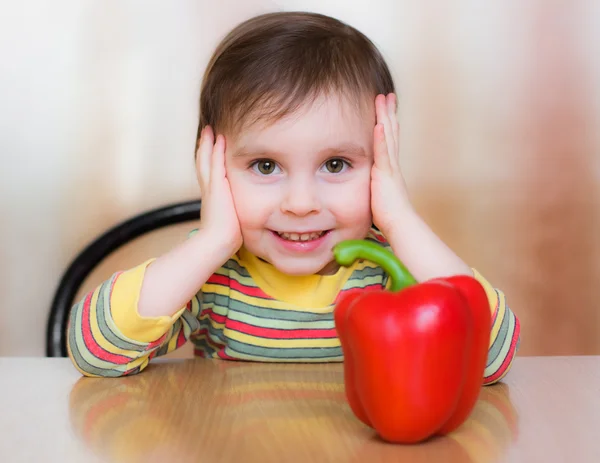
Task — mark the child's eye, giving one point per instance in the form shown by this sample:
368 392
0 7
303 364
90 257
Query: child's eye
336 165
264 166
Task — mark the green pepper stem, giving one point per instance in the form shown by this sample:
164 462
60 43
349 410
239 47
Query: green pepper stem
348 251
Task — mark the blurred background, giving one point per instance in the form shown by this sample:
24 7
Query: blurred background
499 112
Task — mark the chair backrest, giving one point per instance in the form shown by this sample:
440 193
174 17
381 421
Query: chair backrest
94 253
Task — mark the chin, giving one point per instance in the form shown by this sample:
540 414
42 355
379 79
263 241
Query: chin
296 267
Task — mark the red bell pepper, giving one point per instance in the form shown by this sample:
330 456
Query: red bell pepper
414 356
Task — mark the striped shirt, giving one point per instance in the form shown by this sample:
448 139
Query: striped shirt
247 310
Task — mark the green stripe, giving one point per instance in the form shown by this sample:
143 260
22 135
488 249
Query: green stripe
298 354
233 266
262 312
375 281
361 274
281 324
501 338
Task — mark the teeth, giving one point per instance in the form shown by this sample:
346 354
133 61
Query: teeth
301 237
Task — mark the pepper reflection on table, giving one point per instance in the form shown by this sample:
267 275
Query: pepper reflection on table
211 410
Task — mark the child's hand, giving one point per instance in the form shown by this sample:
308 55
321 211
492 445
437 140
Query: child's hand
389 198
218 212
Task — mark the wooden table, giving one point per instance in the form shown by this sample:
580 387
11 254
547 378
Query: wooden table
547 410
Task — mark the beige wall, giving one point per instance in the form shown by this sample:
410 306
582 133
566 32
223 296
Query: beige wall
500 104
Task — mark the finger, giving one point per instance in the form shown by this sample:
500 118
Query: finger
203 156
197 157
218 159
381 157
383 118
392 114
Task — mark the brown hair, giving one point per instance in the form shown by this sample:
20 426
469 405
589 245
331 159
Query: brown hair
270 65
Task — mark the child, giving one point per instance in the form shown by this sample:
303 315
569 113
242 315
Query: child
297 150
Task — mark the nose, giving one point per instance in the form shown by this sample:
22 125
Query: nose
301 198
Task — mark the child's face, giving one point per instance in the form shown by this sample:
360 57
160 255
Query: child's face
302 184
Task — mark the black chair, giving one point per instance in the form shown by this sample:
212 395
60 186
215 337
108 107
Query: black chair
92 255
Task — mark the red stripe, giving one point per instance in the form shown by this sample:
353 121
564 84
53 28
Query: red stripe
275 333
213 316
378 236
90 343
236 285
224 356
509 356
99 409
156 343
181 339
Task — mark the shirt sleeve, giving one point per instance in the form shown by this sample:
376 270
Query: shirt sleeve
505 335
107 337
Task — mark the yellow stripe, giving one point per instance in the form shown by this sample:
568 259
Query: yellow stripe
264 303
172 344
499 318
141 362
489 289
281 343
477 442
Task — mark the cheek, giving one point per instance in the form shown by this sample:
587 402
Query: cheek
252 202
351 202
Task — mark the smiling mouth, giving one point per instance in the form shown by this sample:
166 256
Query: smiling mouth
300 237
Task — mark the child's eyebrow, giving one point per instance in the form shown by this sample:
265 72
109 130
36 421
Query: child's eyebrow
244 152
351 149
